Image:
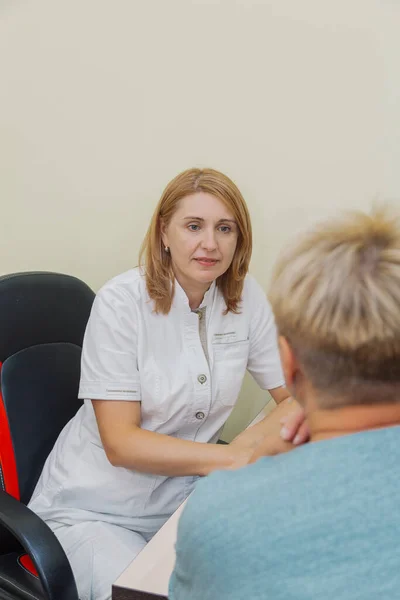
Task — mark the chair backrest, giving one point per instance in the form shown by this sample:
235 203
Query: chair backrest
43 317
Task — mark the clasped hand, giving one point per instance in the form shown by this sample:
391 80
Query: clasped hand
281 431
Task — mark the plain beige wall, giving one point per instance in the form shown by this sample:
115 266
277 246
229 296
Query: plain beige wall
103 101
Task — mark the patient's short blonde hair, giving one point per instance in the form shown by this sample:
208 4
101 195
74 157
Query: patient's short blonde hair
336 298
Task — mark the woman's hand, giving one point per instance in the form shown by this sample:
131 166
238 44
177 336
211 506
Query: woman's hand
295 427
284 429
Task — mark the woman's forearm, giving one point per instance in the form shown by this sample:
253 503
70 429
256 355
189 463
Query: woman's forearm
128 445
160 454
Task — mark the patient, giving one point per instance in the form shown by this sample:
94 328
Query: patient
321 521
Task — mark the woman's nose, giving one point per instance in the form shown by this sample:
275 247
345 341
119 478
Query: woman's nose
209 241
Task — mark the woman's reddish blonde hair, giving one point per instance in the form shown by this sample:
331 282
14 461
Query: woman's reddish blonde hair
160 279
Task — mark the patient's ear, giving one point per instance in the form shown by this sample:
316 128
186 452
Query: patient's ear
289 364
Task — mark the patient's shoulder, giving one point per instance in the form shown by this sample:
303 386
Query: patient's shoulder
263 494
230 496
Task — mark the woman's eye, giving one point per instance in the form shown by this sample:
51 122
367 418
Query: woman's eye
225 228
194 227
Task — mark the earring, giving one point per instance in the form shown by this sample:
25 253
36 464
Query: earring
166 249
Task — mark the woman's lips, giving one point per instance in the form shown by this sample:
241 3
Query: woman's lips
206 262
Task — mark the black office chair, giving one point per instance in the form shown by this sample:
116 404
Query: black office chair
42 322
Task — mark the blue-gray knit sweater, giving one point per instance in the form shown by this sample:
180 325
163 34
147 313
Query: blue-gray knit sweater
321 522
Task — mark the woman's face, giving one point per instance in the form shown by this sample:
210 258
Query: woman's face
202 237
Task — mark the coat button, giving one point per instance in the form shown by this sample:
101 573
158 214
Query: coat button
200 415
202 378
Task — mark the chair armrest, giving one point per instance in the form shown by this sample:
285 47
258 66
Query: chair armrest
8 543
40 543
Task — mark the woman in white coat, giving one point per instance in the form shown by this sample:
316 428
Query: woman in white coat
164 355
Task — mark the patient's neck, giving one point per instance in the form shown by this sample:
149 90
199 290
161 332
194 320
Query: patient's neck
325 424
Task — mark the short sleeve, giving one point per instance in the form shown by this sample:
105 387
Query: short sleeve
109 355
264 361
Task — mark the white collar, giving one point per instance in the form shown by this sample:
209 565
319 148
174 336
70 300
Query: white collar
181 299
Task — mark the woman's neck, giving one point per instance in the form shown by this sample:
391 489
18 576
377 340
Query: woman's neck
194 292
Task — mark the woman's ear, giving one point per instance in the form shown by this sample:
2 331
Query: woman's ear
289 363
164 234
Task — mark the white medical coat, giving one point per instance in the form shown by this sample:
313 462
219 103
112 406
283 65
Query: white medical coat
131 353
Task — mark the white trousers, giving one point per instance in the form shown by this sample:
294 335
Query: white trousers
98 553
